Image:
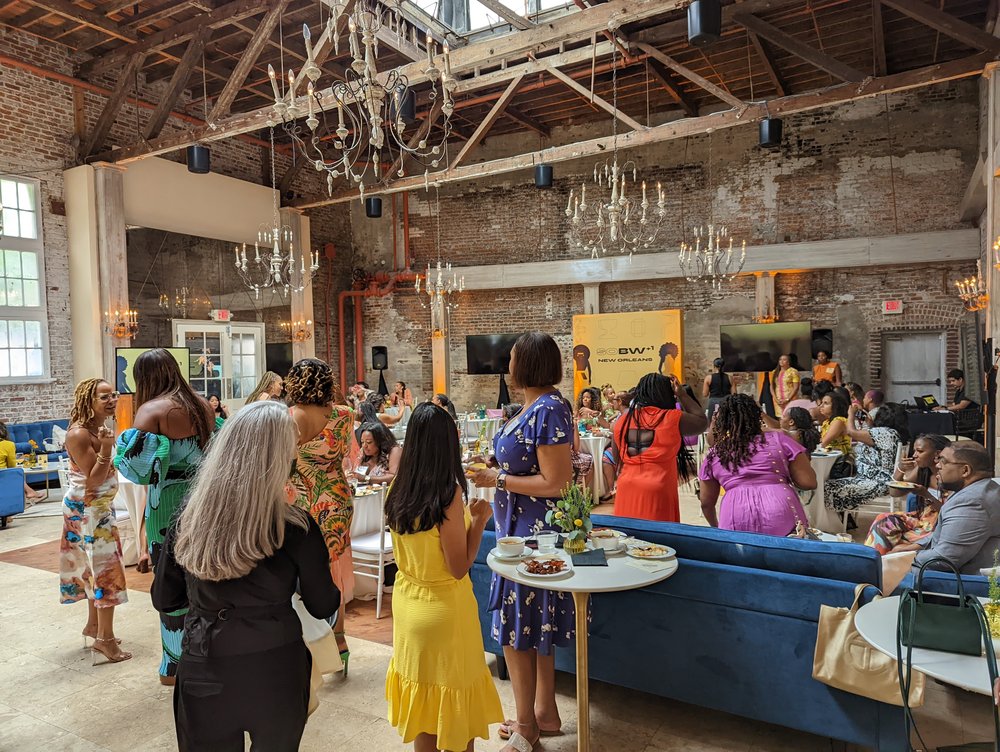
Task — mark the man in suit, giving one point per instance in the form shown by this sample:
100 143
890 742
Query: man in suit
968 528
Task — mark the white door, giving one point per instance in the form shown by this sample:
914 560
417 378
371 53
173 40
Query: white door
913 365
226 359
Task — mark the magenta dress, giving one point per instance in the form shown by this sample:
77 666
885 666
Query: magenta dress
760 496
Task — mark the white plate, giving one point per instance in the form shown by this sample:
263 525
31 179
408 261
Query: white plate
902 485
610 551
523 569
827 453
526 553
669 554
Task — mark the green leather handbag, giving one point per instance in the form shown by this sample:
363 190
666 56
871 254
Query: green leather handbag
950 628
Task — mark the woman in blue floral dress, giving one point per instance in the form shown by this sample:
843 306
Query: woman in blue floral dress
530 469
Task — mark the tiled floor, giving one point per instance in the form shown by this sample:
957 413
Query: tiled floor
51 698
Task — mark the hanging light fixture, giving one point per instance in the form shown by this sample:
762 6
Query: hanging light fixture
972 291
273 262
442 282
375 112
617 221
299 331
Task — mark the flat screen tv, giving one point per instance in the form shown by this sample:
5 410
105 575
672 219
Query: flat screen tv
756 347
489 353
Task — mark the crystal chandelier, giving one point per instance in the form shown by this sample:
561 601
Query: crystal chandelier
996 250
299 331
972 291
440 286
273 262
121 324
617 222
372 108
712 258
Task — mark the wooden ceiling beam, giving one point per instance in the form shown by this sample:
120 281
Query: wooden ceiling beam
772 71
126 80
799 48
828 97
514 19
691 76
947 24
176 34
878 39
513 113
662 76
464 60
591 97
672 30
247 59
86 17
178 83
487 122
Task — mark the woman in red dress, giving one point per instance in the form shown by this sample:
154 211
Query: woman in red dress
647 440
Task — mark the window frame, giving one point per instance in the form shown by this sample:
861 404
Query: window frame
37 313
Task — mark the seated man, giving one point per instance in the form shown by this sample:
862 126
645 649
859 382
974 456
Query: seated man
956 381
968 527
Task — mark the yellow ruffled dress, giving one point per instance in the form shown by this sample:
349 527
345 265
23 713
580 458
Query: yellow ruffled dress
438 682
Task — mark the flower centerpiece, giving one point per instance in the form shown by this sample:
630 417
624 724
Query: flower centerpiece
32 458
481 412
992 608
572 516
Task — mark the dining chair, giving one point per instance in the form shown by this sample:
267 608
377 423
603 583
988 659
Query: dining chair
372 553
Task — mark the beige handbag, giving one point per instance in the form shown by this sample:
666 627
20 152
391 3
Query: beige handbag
844 660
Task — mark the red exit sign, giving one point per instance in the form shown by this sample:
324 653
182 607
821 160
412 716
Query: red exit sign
892 306
220 314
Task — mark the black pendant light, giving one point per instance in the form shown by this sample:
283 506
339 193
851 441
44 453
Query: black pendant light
373 207
199 159
543 176
770 132
704 22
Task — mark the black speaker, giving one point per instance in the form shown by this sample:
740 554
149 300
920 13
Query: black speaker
199 159
543 176
373 207
380 358
704 22
404 104
822 339
770 132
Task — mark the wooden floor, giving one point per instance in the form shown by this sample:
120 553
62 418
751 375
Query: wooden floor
361 621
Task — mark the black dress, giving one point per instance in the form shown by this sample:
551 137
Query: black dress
719 387
244 666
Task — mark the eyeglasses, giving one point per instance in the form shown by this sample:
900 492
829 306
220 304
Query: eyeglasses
943 461
109 397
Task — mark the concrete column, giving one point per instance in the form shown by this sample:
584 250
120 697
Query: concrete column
992 218
765 309
301 302
592 298
440 355
109 182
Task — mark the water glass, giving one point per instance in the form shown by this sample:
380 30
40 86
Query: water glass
547 542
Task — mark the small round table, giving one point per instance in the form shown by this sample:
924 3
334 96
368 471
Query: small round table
618 575
876 623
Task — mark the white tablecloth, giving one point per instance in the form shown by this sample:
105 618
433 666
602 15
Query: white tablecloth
472 427
819 516
594 446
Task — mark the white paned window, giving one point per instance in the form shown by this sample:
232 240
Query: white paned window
24 352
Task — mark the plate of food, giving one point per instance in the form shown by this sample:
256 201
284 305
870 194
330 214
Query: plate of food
643 550
903 485
474 468
545 567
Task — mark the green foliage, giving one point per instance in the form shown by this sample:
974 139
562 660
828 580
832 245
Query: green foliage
573 507
994 584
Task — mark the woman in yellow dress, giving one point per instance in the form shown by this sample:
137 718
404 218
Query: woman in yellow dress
440 692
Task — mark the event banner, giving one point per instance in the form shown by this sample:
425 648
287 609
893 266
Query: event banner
125 358
621 348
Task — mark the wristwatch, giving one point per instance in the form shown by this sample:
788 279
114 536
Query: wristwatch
502 481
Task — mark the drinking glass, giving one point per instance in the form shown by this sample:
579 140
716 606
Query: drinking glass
547 542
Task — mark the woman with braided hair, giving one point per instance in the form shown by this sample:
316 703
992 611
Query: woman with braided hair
320 484
759 470
649 451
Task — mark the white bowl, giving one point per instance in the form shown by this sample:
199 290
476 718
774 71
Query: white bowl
510 545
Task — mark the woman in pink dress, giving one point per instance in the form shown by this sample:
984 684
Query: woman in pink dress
758 469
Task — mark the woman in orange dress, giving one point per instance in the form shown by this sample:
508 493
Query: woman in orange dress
320 484
647 442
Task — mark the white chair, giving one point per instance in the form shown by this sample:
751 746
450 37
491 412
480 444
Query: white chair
372 553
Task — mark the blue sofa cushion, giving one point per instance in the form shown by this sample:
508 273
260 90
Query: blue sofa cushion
40 431
847 562
944 582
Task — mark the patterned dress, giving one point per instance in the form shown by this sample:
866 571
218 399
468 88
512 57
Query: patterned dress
874 471
322 489
90 552
167 467
528 618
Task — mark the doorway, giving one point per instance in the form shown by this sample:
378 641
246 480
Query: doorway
913 364
226 359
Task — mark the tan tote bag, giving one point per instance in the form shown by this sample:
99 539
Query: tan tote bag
844 660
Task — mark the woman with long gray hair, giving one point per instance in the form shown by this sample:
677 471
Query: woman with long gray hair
234 557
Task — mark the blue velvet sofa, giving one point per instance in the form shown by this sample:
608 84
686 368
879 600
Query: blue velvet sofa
734 629
11 493
40 431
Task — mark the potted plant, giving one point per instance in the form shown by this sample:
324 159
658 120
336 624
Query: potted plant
992 608
572 516
481 412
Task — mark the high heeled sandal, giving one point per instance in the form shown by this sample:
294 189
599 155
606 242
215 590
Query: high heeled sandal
520 743
86 645
96 650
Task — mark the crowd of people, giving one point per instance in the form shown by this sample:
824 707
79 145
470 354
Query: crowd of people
247 526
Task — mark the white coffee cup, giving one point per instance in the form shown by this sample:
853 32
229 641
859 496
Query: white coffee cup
607 541
511 545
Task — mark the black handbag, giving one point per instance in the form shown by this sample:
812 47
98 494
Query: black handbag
959 627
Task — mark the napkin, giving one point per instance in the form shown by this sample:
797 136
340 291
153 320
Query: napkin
650 566
594 558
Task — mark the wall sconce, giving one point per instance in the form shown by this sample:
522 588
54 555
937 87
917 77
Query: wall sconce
299 331
122 324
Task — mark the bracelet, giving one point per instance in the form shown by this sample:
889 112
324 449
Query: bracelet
101 459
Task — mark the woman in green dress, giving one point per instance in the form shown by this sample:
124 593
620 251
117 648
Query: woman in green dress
162 450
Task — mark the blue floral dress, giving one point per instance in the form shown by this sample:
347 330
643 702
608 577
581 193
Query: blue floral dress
529 618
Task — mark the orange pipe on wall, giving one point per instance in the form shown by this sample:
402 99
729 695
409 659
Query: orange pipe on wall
406 229
359 356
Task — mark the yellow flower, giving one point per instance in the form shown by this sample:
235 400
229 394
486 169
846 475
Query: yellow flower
578 522
559 515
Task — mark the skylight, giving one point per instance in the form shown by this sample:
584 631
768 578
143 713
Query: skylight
466 16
